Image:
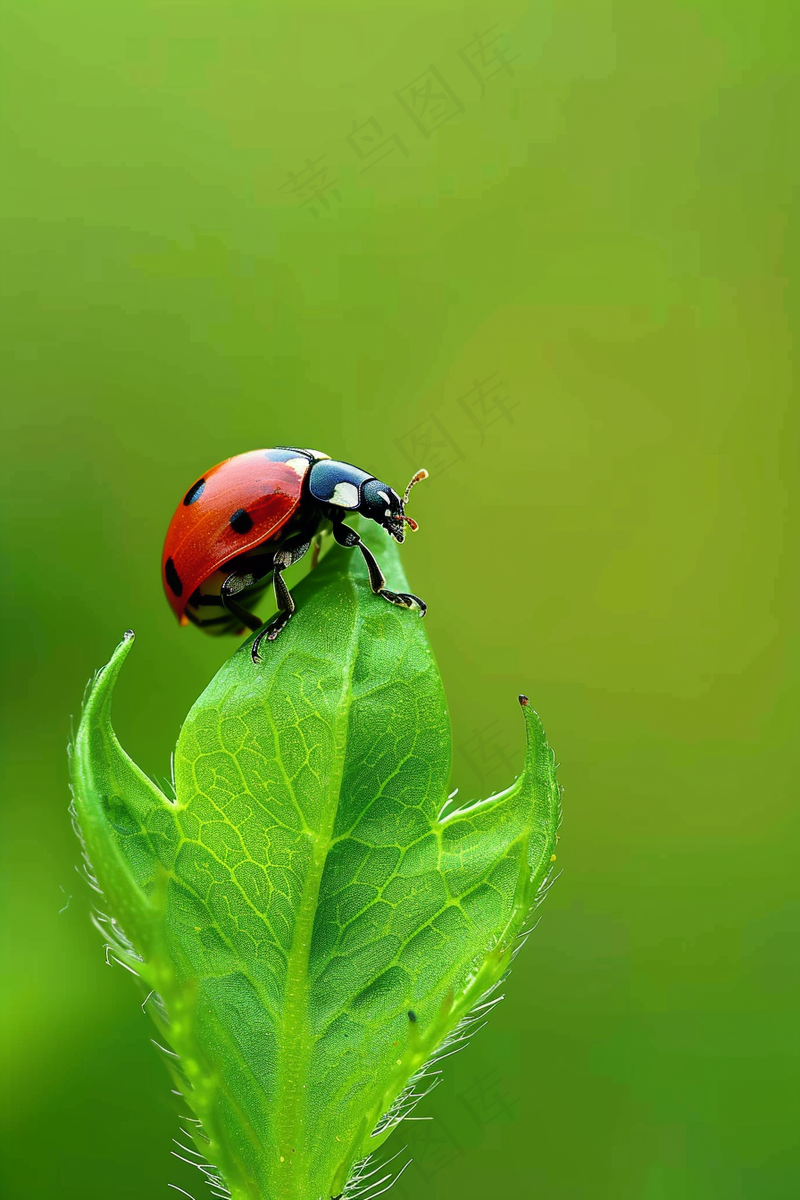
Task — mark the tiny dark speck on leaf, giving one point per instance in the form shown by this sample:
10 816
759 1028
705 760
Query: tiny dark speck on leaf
412 1016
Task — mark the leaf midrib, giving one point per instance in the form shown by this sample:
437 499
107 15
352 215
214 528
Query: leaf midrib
296 1036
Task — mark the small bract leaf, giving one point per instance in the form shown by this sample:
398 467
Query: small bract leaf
315 934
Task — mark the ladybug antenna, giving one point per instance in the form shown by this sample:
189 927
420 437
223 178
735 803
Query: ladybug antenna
420 475
410 522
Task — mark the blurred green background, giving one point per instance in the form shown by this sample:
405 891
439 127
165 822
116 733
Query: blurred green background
543 250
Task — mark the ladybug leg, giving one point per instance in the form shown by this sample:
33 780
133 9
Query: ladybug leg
316 551
286 606
231 587
349 538
252 571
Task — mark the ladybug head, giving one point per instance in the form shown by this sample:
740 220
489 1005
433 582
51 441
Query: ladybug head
382 504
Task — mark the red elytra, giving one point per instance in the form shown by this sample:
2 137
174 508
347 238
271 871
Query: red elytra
203 533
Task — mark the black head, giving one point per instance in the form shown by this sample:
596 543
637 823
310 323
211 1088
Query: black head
382 504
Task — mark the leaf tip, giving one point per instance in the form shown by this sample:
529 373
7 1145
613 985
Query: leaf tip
523 700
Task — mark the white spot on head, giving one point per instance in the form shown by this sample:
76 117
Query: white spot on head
383 496
345 495
317 454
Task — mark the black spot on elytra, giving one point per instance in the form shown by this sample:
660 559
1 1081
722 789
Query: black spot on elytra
195 492
241 522
172 577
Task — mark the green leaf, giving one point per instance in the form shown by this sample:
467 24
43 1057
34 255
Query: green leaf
315 932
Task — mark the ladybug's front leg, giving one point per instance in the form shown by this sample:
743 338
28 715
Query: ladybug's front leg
349 538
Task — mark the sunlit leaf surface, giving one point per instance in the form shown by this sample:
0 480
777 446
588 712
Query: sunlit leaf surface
313 932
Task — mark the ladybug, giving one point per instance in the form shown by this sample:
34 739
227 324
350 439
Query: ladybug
252 516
